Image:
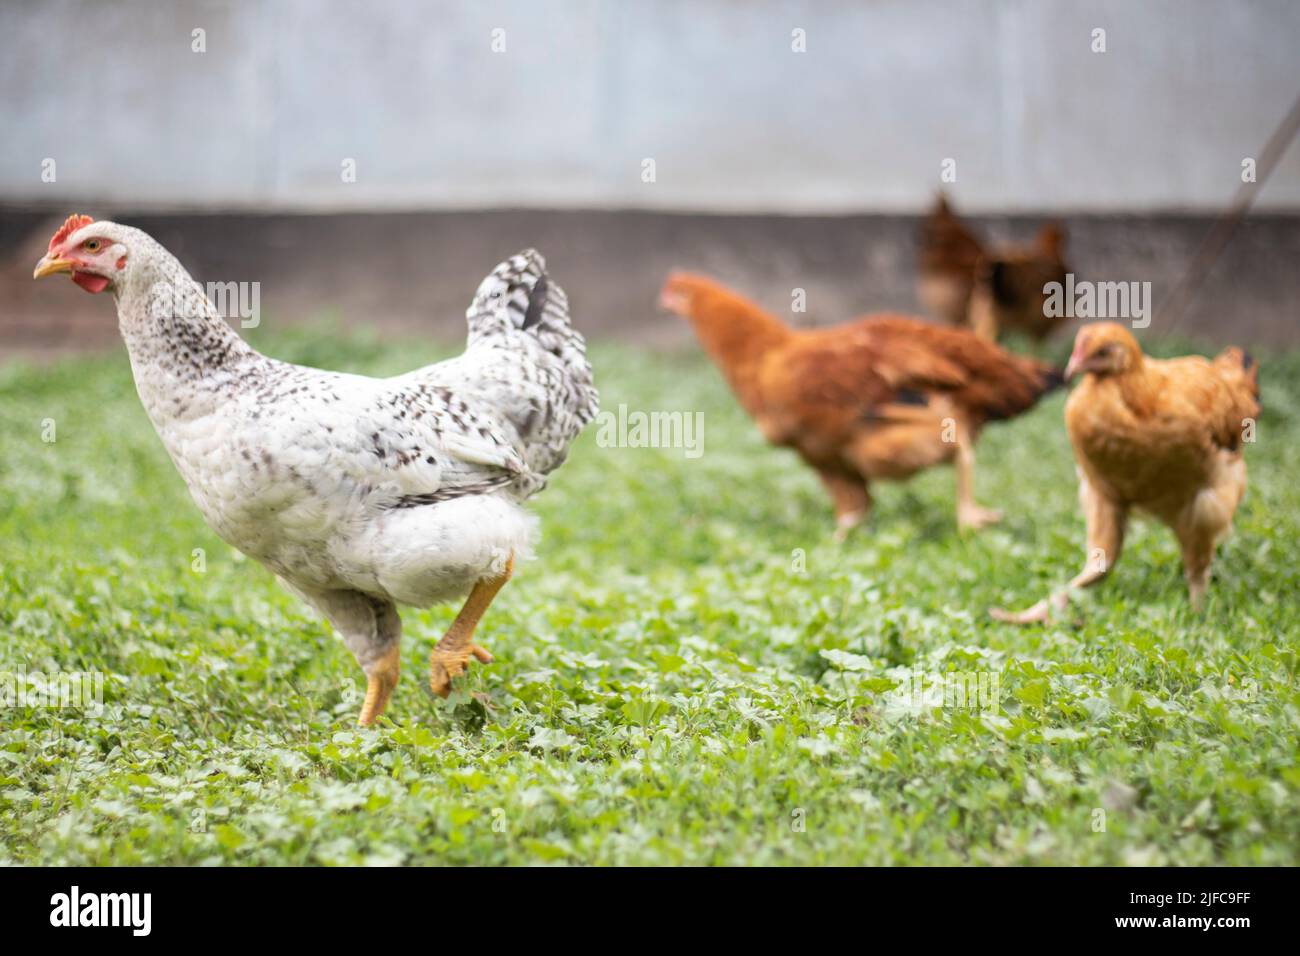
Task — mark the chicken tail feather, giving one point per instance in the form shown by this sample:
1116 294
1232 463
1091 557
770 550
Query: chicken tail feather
1015 387
519 295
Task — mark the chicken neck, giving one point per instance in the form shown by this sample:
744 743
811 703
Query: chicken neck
737 338
182 352
1139 388
170 328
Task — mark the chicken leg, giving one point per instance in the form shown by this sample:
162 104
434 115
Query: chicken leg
381 678
371 629
982 316
1106 524
451 656
970 515
1207 521
852 500
1197 546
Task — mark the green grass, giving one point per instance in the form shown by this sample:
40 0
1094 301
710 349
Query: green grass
669 687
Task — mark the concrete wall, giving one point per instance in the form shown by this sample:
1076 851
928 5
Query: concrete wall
586 90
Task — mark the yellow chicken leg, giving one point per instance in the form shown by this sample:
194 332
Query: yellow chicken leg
970 515
381 678
452 654
1107 522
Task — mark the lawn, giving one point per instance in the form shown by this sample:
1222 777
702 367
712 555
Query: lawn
691 671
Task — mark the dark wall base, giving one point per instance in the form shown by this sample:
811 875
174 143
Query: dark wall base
417 271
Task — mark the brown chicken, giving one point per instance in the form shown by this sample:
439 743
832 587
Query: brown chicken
950 257
879 398
965 285
1161 436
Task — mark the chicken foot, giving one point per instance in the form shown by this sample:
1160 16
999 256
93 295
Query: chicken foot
1042 612
852 500
451 656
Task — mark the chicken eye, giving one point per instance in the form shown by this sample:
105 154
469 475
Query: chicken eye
92 245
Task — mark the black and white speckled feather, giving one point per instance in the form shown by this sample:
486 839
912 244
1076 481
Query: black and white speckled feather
525 359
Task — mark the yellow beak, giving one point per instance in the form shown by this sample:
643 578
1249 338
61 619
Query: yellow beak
50 266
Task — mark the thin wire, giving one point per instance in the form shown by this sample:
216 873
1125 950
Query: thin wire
1212 245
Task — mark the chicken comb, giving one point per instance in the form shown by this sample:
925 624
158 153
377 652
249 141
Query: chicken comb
70 225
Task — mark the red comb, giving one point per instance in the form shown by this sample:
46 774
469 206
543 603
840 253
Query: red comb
70 225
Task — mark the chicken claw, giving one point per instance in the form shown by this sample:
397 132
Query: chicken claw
447 664
1039 613
972 517
845 523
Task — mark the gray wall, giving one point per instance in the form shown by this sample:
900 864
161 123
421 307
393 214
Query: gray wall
585 90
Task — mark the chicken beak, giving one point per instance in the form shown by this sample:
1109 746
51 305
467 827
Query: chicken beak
674 302
51 265
1078 363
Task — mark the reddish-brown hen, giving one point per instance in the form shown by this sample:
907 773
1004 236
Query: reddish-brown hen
882 397
965 285
1161 436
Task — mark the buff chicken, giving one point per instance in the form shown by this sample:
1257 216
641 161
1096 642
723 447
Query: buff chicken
1160 436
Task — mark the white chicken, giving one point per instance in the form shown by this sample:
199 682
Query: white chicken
359 493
